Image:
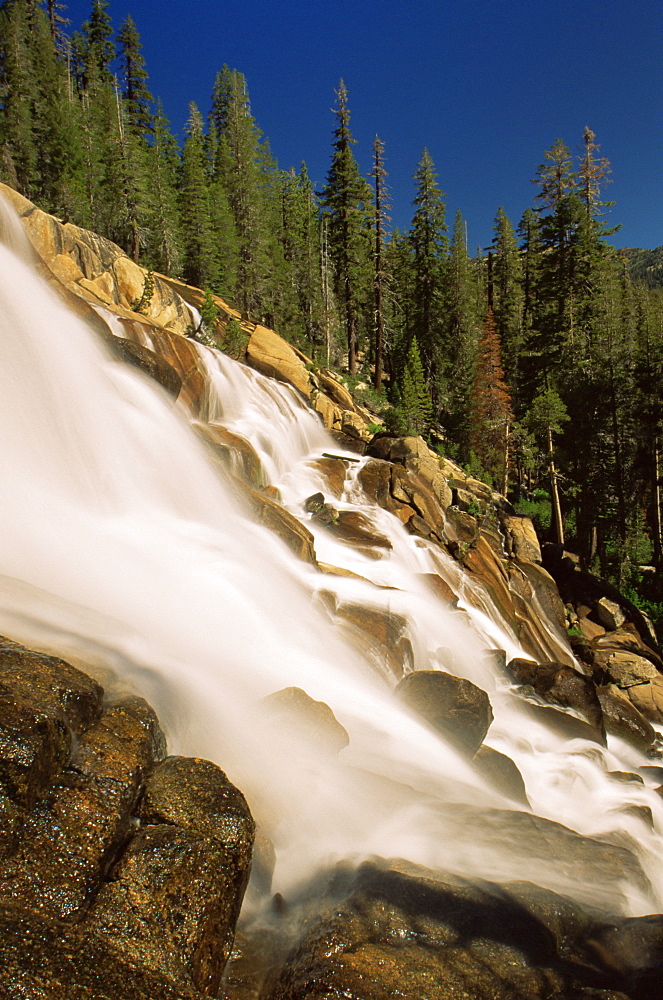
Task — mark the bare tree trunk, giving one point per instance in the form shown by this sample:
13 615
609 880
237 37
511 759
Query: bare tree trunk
554 492
658 532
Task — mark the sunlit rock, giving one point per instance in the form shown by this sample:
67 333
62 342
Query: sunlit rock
520 538
609 613
648 698
624 668
622 718
270 354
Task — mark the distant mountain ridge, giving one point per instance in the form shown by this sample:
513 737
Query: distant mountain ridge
645 265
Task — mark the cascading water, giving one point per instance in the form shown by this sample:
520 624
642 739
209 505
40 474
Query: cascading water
122 550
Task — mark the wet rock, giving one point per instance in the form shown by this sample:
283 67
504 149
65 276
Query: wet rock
187 869
70 839
334 470
45 959
560 685
354 528
234 453
395 931
440 587
500 772
563 723
151 364
623 719
53 686
381 635
34 746
311 720
634 949
95 900
459 710
284 524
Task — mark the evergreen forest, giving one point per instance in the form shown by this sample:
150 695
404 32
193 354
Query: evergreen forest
536 362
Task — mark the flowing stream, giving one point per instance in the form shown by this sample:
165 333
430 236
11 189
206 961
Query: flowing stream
124 551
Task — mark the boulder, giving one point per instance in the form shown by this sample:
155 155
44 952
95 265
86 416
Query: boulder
520 538
43 958
623 668
500 772
648 698
622 718
123 871
313 721
455 707
183 875
634 949
390 930
609 613
70 839
561 685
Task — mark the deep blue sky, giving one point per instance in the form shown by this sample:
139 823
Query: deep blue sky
486 85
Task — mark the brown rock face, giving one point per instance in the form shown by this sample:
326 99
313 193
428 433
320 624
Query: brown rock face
455 707
114 902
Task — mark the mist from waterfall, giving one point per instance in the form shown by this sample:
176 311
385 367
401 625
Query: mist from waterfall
124 551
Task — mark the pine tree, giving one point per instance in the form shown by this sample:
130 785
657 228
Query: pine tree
381 219
99 47
461 334
414 397
57 23
345 198
429 245
20 153
301 250
508 298
490 408
544 419
137 98
164 250
200 263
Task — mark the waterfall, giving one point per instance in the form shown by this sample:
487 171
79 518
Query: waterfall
124 551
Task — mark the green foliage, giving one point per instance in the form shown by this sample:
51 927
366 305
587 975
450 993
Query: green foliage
235 339
142 304
414 398
538 508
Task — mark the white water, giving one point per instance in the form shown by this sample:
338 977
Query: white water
122 550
